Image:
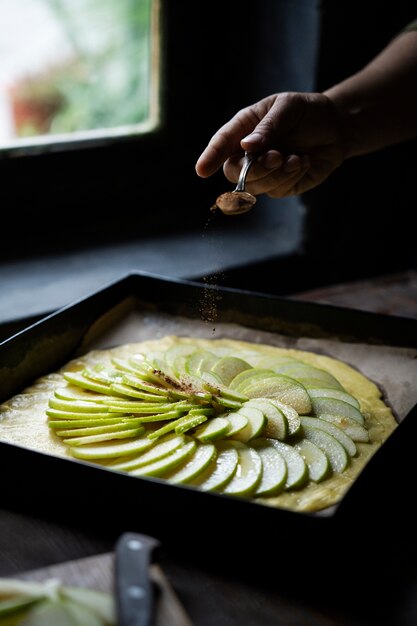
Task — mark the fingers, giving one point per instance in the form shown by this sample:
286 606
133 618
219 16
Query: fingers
271 173
226 143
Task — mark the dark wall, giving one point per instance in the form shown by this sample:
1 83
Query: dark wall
360 220
221 56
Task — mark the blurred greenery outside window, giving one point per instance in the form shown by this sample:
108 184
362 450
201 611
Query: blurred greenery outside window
77 70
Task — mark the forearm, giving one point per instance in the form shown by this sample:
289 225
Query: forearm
378 105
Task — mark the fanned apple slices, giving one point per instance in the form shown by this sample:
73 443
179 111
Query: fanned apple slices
243 424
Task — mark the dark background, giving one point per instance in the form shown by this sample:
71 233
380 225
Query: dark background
218 57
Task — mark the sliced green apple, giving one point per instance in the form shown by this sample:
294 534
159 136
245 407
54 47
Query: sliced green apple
246 376
290 414
237 422
350 426
168 462
165 446
228 367
91 423
255 426
248 473
111 450
316 460
286 390
276 425
71 415
70 392
274 468
216 428
220 471
334 406
79 380
337 433
204 454
126 433
96 430
337 394
303 371
188 422
297 470
77 406
336 453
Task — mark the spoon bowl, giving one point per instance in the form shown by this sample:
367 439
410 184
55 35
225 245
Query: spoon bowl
238 201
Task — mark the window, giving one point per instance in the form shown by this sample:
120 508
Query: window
76 70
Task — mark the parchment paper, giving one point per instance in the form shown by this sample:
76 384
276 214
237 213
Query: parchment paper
393 369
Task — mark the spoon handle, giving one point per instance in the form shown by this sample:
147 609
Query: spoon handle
247 162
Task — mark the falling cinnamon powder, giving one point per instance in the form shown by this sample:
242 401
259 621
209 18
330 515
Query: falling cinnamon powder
211 296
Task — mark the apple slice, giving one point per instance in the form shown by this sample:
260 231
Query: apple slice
194 466
71 415
304 371
96 430
77 406
286 390
228 367
297 470
350 426
333 406
79 380
248 473
337 433
290 414
207 363
199 361
111 450
255 426
274 468
91 423
237 422
168 462
317 461
216 428
184 421
337 394
165 446
336 453
276 425
188 422
126 433
138 383
220 472
247 375
102 374
129 392
70 392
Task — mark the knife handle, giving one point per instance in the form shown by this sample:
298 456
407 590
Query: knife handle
134 588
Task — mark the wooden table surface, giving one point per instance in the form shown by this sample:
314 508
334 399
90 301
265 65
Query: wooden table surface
331 595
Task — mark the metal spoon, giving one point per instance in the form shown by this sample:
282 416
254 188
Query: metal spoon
238 201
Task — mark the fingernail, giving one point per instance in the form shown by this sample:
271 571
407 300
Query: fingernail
291 164
272 161
253 138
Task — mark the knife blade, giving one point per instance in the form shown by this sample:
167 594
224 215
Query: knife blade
135 594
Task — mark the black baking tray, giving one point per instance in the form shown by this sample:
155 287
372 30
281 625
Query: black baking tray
93 498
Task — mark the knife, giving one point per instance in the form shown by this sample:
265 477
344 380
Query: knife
144 595
135 593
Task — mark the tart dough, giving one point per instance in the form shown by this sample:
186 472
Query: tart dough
23 421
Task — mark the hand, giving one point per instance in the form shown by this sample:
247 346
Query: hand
299 138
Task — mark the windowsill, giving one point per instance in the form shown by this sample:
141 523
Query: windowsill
36 286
